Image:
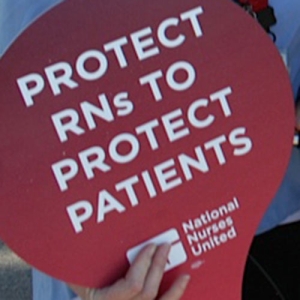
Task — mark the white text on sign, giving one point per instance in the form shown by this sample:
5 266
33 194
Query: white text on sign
61 73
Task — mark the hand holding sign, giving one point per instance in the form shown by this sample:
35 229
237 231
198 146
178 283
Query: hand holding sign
141 281
151 128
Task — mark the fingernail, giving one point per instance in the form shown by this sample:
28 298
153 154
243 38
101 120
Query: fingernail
152 249
166 248
186 278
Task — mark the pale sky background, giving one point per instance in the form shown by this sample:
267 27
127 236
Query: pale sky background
13 19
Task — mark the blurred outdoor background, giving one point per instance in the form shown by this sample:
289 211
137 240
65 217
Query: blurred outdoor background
15 276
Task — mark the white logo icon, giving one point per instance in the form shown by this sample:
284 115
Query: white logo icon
177 255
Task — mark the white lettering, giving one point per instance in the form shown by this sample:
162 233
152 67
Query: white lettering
151 79
89 164
28 92
221 97
116 46
124 105
127 185
63 177
192 16
161 33
191 76
237 140
147 128
167 178
140 45
91 75
215 144
124 158
192 114
76 218
186 162
89 110
171 125
55 79
71 125
106 204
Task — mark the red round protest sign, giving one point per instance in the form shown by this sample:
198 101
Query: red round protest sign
125 122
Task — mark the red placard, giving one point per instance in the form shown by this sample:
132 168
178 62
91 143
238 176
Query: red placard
130 121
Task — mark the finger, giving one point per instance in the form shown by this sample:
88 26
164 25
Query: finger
156 272
84 293
177 289
139 269
133 283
